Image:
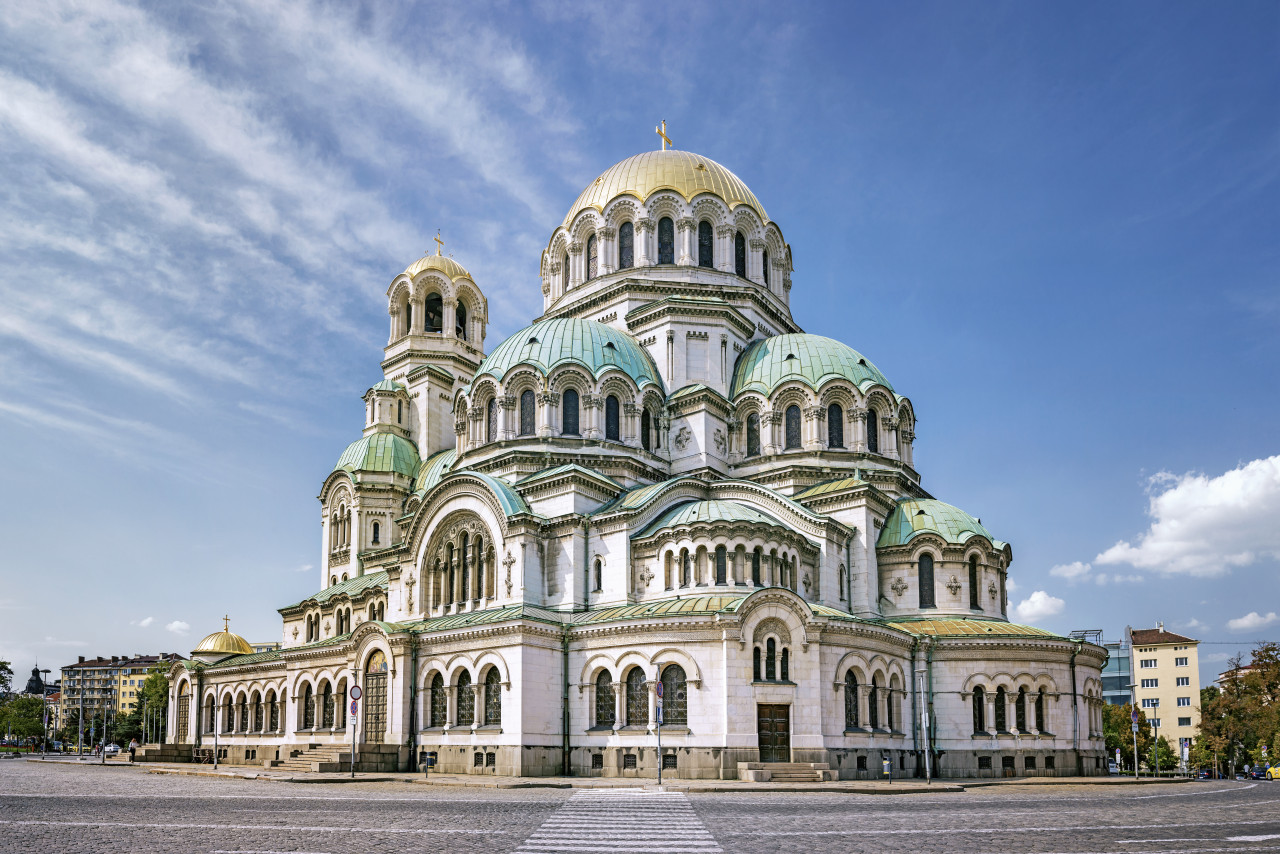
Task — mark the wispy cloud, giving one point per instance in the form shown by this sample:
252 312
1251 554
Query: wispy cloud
1078 572
178 627
143 623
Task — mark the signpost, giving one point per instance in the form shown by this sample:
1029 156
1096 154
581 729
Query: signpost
355 716
1133 716
658 720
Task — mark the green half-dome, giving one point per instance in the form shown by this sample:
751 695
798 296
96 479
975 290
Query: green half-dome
380 452
594 346
707 512
915 516
812 359
387 385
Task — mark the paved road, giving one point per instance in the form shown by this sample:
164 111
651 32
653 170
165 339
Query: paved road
60 808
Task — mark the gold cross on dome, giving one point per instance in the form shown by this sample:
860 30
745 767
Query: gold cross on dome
226 623
662 132
439 242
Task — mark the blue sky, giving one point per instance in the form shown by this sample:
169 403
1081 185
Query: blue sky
1053 226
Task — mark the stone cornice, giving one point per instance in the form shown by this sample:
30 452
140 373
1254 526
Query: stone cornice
641 319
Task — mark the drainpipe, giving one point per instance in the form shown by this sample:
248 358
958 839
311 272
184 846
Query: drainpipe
848 571
586 564
933 726
1075 713
915 703
413 703
564 702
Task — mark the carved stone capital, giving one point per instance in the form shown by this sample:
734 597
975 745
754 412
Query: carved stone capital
575 248
607 233
686 223
644 224
758 245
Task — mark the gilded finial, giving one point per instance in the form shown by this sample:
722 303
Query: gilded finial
226 623
439 242
661 131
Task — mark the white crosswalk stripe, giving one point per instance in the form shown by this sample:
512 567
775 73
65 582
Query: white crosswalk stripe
622 821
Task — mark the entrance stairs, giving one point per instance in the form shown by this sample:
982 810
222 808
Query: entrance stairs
786 772
316 757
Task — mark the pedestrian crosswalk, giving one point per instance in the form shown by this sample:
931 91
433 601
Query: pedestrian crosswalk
622 821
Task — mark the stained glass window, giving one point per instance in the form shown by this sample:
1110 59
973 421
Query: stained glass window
684 568
308 709
850 700
646 424
439 702
1002 711
706 256
873 703
606 711
1020 710
593 260
793 427
835 426
626 246
873 432
975 594
491 420
1040 711
275 713
569 413
722 565
926 581
785 675
666 241
466 700
675 696
753 435
740 255
326 706
244 715
612 428
493 698
527 413
979 710
637 699
888 709
770 660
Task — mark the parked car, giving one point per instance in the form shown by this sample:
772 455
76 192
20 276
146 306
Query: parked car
1273 773
1258 774
112 749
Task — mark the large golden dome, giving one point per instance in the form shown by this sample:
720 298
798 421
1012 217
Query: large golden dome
451 268
681 171
224 642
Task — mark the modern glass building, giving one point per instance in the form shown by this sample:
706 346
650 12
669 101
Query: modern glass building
1117 675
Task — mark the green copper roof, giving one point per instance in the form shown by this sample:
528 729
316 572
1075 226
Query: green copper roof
384 452
388 385
485 617
556 471
915 516
432 469
829 486
685 606
707 511
963 628
351 587
253 658
565 340
812 359
510 500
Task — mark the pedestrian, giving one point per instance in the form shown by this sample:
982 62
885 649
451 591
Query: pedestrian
133 748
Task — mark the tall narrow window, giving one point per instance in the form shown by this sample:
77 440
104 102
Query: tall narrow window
1040 711
646 424
376 529
1002 711
612 426
408 318
606 711
399 411
975 593
706 255
684 568
770 660
675 708
433 319
666 241
1020 710
597 573
593 260
753 435
926 581
873 432
466 568
835 426
793 427
491 420
888 709
569 413
460 321
637 700
755 567
466 701
755 664
626 246
785 675
527 413
439 702
564 272
850 700
764 259
979 710
493 698
722 565
873 703
740 255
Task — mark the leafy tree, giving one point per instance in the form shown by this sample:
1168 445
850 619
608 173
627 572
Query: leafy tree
1166 756
23 716
1117 728
6 677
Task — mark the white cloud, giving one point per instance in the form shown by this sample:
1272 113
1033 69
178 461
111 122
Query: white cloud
1079 571
143 623
1205 525
1252 620
305 568
1193 624
1010 585
1038 606
178 627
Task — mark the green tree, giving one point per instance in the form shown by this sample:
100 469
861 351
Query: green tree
23 716
1166 756
1117 728
6 677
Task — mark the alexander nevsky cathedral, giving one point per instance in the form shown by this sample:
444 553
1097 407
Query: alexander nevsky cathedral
660 514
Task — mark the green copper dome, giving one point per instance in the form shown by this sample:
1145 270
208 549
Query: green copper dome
707 512
388 385
381 452
813 359
915 516
549 343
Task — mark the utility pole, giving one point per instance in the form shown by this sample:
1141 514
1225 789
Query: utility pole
1155 745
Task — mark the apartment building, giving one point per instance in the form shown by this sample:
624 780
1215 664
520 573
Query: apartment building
107 684
1166 668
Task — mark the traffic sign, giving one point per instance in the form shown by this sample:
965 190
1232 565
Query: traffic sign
658 688
355 706
1133 715
355 693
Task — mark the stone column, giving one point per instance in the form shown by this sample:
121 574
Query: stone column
450 705
608 249
651 687
477 715
576 273
619 705
506 414
629 429
858 428
724 259
990 700
891 442
755 261
644 228
450 319
686 228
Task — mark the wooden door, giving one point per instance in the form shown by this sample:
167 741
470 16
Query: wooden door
773 723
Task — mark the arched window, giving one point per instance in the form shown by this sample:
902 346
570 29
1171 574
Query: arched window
1020 710
873 432
675 706
755 567
753 435
612 427
491 420
975 593
666 241
493 698
326 706
527 413
1040 711
740 255
606 711
399 411
755 664
244 713
684 568
888 709
376 530
979 710
433 320
850 700
637 702
408 317
569 413
770 660
1002 711
765 264
835 426
593 260
439 702
308 708
564 272
466 567
597 579
466 700
706 255
722 565
785 674
926 581
626 246
873 703
460 320
646 424
793 427
273 712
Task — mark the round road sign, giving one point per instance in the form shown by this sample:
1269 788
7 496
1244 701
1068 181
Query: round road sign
355 692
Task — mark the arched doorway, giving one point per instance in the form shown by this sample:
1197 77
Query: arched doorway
184 710
375 698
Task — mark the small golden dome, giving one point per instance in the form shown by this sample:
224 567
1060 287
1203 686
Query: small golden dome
225 642
451 268
651 171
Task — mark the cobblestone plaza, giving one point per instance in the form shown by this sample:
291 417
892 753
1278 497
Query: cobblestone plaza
65 808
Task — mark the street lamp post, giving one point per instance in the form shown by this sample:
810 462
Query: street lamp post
1155 745
216 705
44 721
